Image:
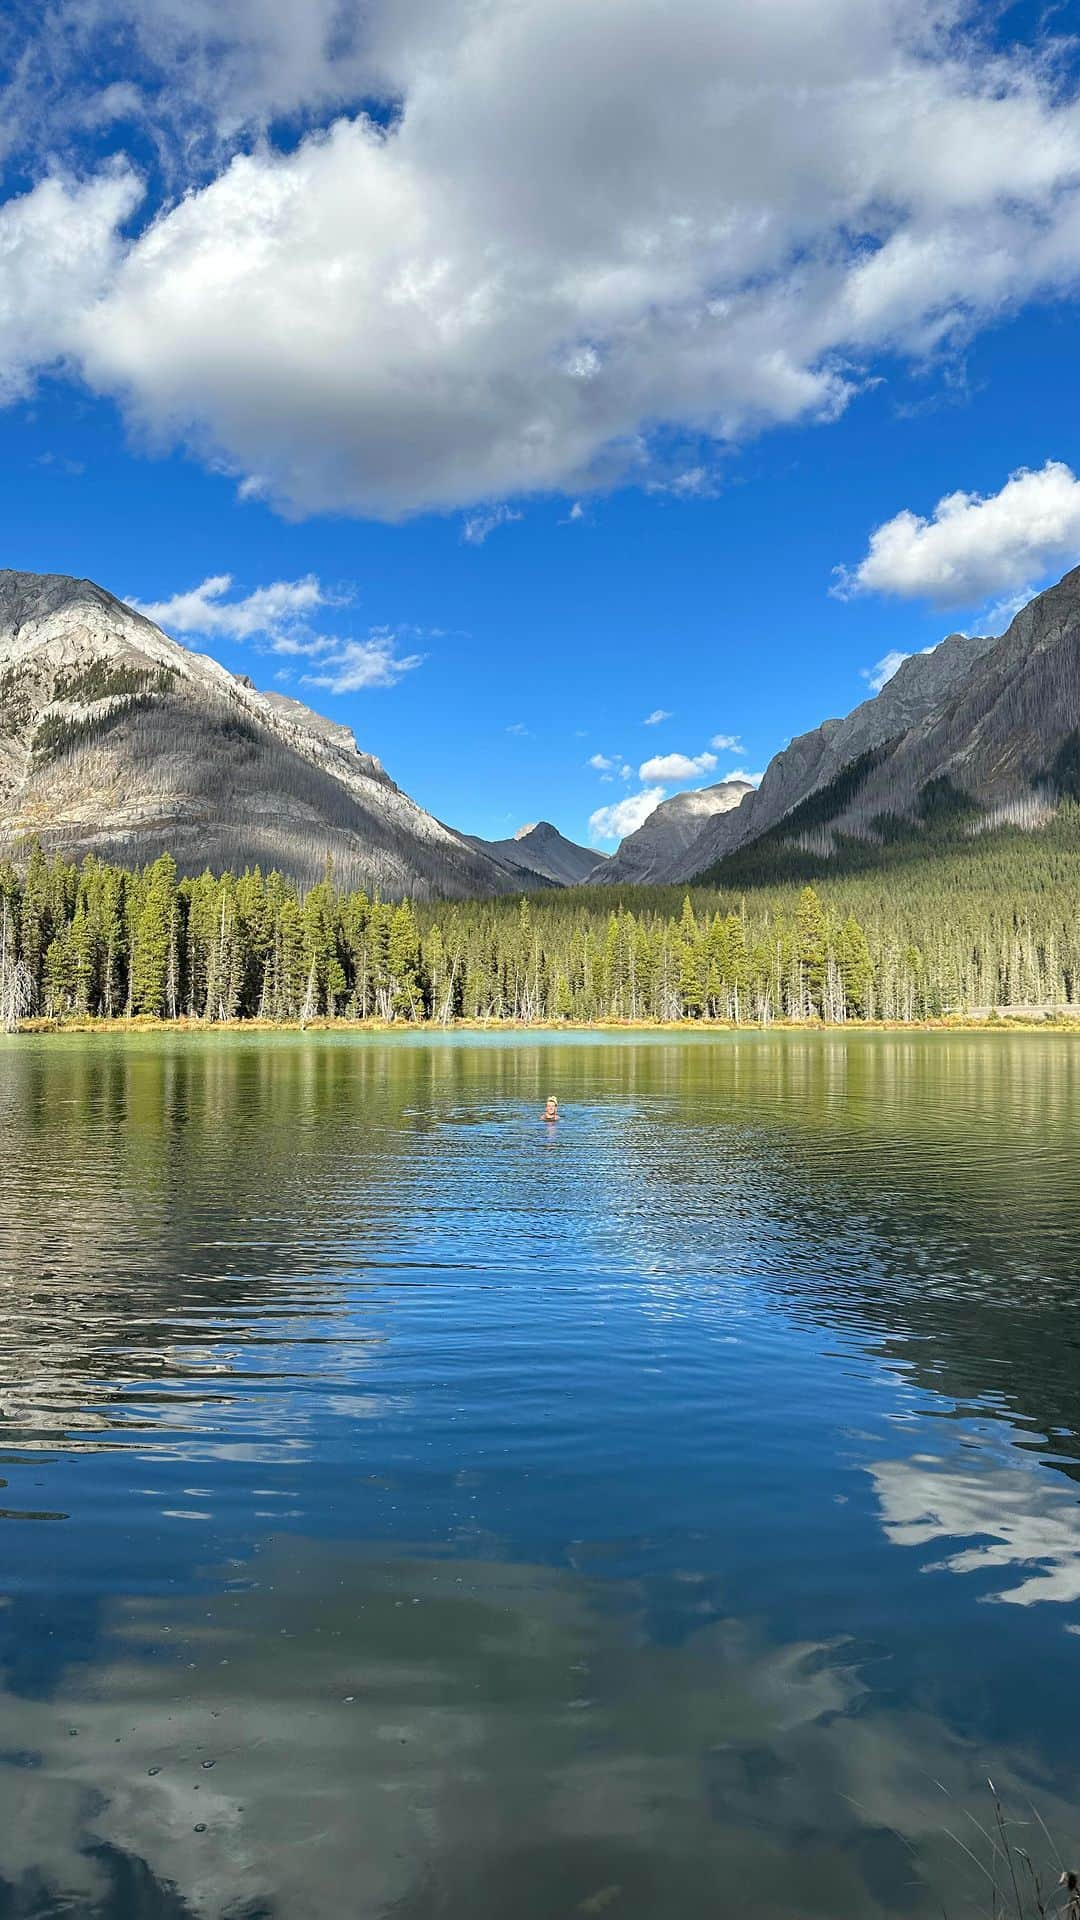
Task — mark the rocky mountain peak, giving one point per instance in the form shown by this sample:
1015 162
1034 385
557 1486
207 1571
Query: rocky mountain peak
648 856
38 596
116 739
541 850
922 683
541 834
981 718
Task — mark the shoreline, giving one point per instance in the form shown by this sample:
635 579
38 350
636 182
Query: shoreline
978 1020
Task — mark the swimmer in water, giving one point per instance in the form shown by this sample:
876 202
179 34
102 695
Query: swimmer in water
551 1111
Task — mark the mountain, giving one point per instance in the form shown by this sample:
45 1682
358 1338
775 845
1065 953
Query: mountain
983 727
655 853
116 740
541 849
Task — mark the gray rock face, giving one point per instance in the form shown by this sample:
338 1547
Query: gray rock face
1003 725
989 715
655 854
333 732
919 687
541 849
116 740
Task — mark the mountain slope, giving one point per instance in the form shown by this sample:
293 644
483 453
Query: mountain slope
654 854
813 759
980 726
116 740
541 849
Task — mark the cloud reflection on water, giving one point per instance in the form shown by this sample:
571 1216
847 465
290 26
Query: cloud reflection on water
1017 1523
355 1736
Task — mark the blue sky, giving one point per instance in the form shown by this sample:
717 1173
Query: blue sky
574 478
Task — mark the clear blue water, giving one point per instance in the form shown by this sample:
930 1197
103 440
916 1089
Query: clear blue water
411 1509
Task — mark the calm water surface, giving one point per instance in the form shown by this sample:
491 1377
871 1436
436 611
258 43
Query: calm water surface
410 1509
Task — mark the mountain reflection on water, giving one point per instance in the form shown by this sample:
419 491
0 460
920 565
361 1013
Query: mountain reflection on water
411 1509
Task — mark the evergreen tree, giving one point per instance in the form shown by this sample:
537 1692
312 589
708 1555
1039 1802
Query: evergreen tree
154 971
855 968
403 963
812 950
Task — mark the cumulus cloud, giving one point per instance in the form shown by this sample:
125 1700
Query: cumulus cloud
677 766
974 544
571 235
59 249
607 765
726 743
752 779
204 73
272 613
654 718
277 618
354 666
624 816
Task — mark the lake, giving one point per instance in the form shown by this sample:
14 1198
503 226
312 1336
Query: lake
413 1509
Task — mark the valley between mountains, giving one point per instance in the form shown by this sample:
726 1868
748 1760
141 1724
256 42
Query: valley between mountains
118 741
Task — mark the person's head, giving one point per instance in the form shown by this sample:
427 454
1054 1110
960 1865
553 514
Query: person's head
552 1104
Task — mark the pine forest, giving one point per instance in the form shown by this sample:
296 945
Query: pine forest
984 923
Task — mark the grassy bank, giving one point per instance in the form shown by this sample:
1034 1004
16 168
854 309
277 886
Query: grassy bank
992 1019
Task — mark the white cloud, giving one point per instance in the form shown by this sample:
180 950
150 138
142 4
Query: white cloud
353 666
624 816
610 766
59 248
752 779
277 618
726 743
654 718
219 69
271 613
974 544
479 525
677 766
583 233
519 728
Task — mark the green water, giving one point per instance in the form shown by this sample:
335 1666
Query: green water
411 1509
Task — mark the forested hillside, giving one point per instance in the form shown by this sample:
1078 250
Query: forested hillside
991 920
116 740
987 721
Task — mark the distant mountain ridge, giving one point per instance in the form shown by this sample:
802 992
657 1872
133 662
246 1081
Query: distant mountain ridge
540 848
654 854
984 719
117 740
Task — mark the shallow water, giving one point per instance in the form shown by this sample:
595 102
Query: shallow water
411 1509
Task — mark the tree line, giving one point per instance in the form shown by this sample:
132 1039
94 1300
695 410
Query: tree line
977 927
